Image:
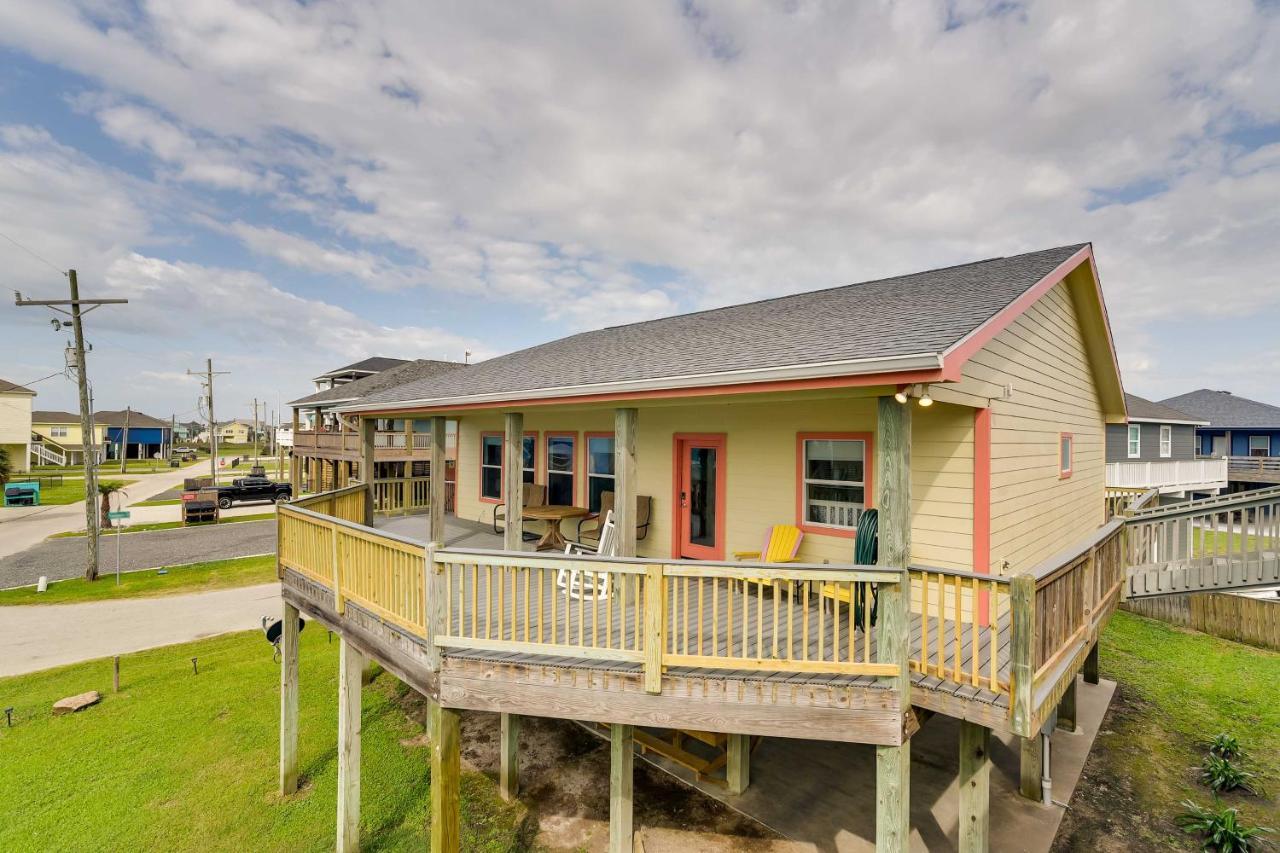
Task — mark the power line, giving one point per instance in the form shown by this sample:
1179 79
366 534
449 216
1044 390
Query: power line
34 254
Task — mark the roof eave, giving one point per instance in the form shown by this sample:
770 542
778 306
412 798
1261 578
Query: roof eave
1174 421
820 370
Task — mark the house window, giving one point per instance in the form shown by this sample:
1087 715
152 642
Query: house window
560 469
1066 450
1259 445
599 469
832 481
491 466
529 455
1166 441
58 432
1135 441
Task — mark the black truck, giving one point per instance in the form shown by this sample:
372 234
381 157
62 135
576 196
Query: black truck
250 489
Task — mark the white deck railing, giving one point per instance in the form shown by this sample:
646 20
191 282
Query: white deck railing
1169 475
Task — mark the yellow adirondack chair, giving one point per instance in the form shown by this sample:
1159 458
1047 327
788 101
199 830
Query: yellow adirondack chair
781 544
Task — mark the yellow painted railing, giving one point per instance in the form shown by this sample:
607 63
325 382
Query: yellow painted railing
401 495
964 625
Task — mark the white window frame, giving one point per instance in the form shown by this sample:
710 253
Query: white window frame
806 481
1166 441
1133 440
1266 446
58 432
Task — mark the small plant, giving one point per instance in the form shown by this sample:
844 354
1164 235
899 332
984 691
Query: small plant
1221 775
1220 828
1225 746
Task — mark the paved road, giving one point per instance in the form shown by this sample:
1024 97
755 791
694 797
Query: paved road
38 637
64 558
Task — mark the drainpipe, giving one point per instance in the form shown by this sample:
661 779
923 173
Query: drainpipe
1046 776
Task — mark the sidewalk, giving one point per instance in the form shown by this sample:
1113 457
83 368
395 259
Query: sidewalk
39 637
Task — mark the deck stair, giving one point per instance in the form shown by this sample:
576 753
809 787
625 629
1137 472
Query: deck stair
45 452
1223 543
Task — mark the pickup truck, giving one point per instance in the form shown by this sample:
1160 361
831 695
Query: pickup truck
246 489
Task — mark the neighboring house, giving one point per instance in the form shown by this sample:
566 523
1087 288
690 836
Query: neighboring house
359 370
15 424
144 438
1157 449
1245 431
235 432
59 438
331 454
188 431
766 413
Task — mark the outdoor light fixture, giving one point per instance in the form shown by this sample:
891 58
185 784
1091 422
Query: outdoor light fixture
925 399
920 392
901 396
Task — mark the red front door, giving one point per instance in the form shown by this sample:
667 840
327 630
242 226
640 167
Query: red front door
699 497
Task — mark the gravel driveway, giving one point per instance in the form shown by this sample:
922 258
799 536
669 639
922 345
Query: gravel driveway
64 558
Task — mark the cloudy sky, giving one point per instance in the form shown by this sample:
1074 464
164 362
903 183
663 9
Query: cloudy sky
287 187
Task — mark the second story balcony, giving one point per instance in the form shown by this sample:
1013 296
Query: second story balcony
345 445
1169 475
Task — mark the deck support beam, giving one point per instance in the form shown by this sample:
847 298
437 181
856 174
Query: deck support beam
621 786
975 787
509 757
295 466
893 474
350 665
1091 666
624 479
437 484
513 482
446 761
1031 767
737 772
1067 708
289 700
368 430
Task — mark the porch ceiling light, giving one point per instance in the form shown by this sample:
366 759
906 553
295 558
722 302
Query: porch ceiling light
926 400
901 396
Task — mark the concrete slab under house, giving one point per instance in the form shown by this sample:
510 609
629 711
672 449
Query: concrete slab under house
831 517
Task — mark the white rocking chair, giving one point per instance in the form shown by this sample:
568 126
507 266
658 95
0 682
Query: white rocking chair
591 586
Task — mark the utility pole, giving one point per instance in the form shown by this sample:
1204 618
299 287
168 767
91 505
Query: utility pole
255 430
124 441
86 412
208 373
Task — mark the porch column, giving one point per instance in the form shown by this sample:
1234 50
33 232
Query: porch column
975 787
1031 765
513 482
621 786
436 500
445 770
737 771
1067 708
893 478
512 540
1091 666
317 475
368 429
624 480
408 449
289 701
350 664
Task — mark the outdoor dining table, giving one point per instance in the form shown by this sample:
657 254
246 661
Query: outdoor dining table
553 514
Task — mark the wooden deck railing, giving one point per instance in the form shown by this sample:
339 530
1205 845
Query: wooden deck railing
401 494
965 630
1121 500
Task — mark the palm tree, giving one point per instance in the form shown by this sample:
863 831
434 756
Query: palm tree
107 488
6 468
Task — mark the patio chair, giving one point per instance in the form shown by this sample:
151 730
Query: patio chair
589 526
781 544
589 585
534 495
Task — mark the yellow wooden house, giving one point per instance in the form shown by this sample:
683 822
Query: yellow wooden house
61 437
966 405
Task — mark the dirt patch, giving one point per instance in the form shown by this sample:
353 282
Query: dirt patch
564 781
1108 813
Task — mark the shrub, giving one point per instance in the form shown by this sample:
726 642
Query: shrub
1221 775
1225 746
1220 828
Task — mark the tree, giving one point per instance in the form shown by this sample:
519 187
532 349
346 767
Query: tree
6 468
107 488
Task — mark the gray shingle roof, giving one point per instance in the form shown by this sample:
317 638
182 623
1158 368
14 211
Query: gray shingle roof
136 419
372 364
1141 409
1224 409
48 416
406 372
14 388
919 314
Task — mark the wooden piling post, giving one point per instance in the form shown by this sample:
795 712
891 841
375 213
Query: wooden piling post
368 432
893 476
446 833
288 700
737 771
621 786
1067 708
655 627
350 663
1031 767
295 461
437 485
624 480
1022 602
509 760
1091 666
975 787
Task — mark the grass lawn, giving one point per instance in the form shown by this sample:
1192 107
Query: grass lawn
177 761
167 525
69 492
1177 689
197 577
1208 542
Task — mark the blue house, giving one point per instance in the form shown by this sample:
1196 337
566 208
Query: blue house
1237 426
147 437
